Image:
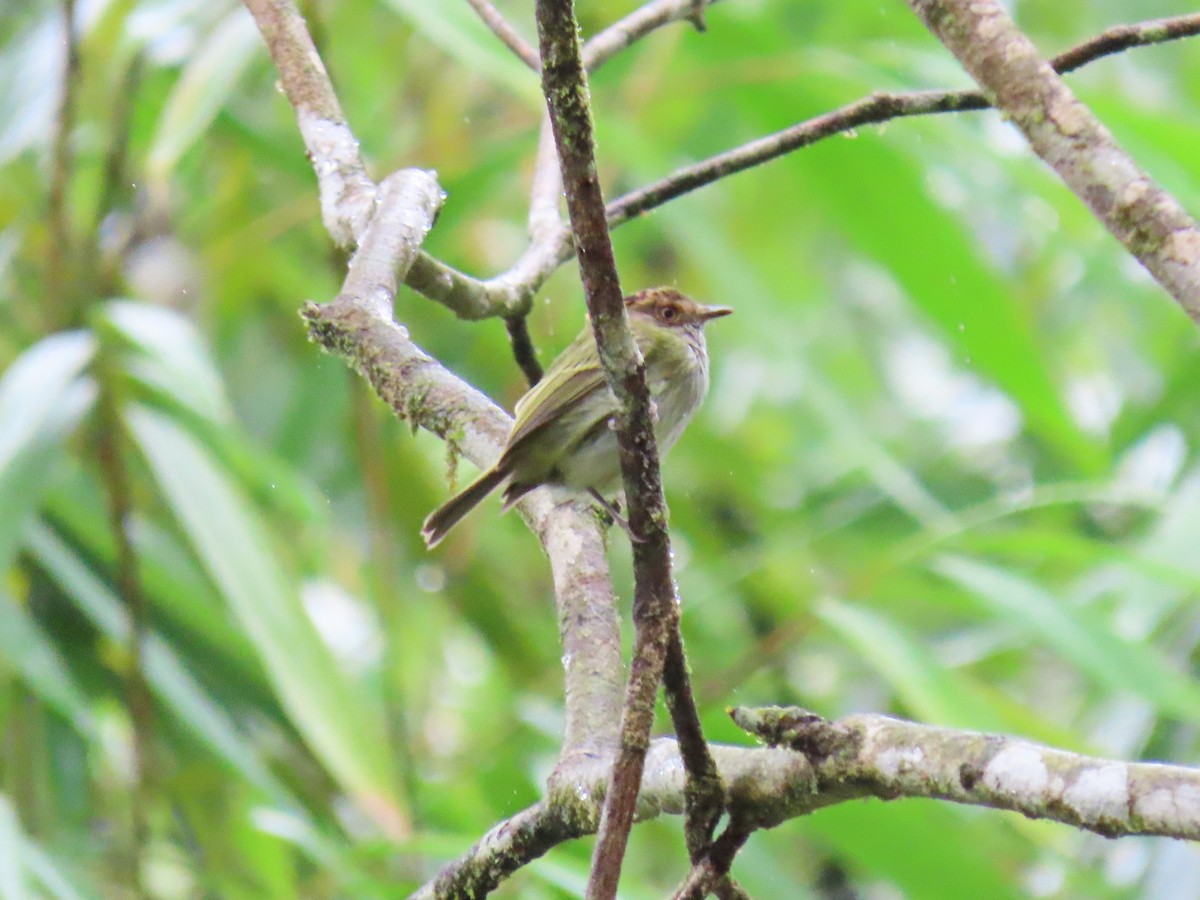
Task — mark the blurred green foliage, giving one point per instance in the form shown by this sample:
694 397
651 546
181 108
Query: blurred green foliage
948 469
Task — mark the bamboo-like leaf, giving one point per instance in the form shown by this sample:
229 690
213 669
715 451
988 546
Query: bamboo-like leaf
201 91
170 359
12 877
32 389
25 647
30 82
931 691
1078 635
173 356
42 398
24 862
50 873
342 728
167 675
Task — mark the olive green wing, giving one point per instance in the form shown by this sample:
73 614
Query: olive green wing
574 375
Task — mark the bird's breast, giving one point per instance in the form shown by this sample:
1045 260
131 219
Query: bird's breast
677 372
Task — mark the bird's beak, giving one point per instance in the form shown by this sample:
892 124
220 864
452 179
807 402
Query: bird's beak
714 312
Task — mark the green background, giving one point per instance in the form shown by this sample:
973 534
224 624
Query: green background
947 469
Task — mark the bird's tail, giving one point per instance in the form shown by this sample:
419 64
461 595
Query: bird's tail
446 516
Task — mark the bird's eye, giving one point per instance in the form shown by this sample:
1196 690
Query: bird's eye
667 313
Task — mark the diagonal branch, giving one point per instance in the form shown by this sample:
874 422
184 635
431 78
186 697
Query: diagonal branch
347 193
358 326
711 874
1060 129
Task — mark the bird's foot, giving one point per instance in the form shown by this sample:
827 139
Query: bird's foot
614 511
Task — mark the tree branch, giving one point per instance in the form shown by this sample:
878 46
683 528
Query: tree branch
814 762
340 170
878 756
509 846
347 193
523 349
655 611
358 326
1147 220
711 873
705 792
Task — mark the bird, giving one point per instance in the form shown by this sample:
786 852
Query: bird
564 430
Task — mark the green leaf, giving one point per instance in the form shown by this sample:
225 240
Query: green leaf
12 879
955 288
30 82
970 858
203 88
173 357
23 861
42 398
25 648
50 873
931 691
170 359
1078 635
167 675
328 708
459 33
33 388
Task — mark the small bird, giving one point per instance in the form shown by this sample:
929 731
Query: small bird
564 430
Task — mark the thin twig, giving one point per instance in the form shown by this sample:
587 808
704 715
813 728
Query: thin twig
58 276
646 18
876 109
114 473
705 792
507 34
1123 37
522 346
546 233
707 873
